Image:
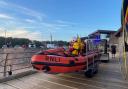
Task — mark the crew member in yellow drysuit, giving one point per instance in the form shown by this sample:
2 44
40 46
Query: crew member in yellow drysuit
76 49
78 46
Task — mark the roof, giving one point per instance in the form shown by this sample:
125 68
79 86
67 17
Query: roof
99 32
117 34
102 32
84 38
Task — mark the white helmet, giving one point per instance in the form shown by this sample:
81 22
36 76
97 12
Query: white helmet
74 39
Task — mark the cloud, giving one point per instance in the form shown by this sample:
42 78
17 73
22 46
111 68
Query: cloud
24 10
33 16
55 26
5 16
2 2
30 12
28 23
29 20
65 22
22 33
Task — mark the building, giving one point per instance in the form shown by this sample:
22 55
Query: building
119 32
102 34
105 34
119 37
107 38
50 46
84 38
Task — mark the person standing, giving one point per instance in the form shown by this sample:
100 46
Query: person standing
113 51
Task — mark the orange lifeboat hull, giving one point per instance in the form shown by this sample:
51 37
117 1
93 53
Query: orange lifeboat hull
59 64
55 61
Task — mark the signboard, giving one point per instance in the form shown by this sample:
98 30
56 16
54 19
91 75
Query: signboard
52 59
97 39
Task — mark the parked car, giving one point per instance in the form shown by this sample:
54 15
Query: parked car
31 45
4 46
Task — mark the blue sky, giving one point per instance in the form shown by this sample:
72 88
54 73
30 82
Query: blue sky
64 19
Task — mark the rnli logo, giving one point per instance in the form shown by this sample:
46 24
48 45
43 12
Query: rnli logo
52 59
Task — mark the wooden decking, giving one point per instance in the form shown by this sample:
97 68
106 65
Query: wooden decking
109 77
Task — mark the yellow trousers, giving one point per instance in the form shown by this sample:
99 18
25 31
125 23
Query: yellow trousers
75 52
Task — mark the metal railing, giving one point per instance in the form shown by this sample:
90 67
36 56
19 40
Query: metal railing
13 60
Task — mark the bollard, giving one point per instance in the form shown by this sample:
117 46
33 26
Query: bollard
10 70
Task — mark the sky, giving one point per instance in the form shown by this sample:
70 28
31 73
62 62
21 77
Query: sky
64 19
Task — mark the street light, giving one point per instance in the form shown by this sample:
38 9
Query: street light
5 36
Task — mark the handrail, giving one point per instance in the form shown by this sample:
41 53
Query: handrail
13 61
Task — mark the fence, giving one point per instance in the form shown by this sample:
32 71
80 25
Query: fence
13 61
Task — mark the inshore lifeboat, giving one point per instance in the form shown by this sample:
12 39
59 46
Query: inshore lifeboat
58 63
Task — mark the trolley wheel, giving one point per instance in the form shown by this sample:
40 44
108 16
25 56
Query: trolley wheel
46 68
9 72
89 73
96 71
105 61
96 68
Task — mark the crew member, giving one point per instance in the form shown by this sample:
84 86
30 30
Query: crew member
77 47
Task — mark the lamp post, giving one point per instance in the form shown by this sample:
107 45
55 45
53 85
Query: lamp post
51 37
5 36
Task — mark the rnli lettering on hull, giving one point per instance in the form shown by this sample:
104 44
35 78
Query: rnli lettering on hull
52 59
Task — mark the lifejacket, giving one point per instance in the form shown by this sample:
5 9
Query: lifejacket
76 48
